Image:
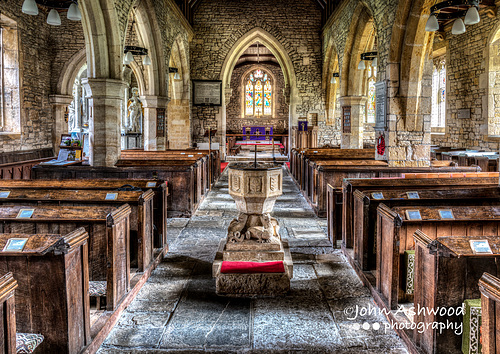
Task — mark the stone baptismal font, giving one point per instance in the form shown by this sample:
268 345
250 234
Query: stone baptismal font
253 261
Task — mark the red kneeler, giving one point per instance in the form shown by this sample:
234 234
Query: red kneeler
252 267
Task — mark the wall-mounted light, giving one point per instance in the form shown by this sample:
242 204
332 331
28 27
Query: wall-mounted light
176 71
30 7
130 51
368 56
334 78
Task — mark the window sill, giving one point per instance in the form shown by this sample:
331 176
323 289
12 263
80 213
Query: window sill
11 135
438 133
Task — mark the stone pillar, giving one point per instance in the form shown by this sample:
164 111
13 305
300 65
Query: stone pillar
152 142
105 97
354 139
59 105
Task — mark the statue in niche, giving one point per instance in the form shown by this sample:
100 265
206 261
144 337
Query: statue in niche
135 113
72 119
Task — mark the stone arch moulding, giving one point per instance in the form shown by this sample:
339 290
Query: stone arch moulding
70 72
493 89
243 85
178 111
278 50
330 66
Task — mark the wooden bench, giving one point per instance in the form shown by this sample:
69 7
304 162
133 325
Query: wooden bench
52 295
447 272
159 203
109 237
395 236
7 314
489 286
350 185
366 203
17 165
141 217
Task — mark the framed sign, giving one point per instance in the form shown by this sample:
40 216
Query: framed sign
302 125
412 195
480 247
377 195
207 93
111 196
346 119
160 122
150 184
4 194
413 215
25 213
446 214
15 245
380 105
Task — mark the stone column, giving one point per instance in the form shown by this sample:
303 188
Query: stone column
59 105
105 98
354 139
151 141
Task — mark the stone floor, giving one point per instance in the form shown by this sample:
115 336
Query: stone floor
177 310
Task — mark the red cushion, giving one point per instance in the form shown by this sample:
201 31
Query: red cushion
252 267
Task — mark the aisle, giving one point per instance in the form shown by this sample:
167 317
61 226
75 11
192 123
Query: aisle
177 310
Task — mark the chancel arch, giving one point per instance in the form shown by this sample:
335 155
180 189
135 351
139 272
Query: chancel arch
258 35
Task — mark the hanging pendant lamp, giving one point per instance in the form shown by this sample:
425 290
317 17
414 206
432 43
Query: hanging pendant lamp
53 18
472 16
30 7
458 27
432 24
74 13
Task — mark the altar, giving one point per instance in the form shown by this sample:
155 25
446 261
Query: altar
258 132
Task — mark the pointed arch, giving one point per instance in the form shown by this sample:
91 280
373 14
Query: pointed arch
278 50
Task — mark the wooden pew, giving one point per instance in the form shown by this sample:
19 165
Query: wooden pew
366 203
159 187
447 273
109 233
52 295
489 286
395 236
7 314
350 185
141 217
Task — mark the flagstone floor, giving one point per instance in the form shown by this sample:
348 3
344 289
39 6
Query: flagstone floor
177 310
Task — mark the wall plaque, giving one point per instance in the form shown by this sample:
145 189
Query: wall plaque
207 92
463 113
160 122
380 105
346 119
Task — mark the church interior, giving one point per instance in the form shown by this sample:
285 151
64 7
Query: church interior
230 176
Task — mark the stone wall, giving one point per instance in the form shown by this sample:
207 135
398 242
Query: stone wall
43 51
296 24
235 120
468 88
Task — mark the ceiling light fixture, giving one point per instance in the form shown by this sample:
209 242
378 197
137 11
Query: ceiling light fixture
333 80
30 7
130 51
446 11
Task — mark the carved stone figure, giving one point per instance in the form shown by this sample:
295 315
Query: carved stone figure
135 113
234 231
72 119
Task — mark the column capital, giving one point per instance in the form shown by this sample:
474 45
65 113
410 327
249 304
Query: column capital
60 100
352 100
104 88
150 101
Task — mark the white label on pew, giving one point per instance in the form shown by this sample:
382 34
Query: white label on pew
412 195
111 196
200 153
190 155
183 153
480 247
150 184
446 214
15 244
25 213
378 195
413 215
4 194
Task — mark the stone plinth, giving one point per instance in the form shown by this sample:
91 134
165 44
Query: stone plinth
254 235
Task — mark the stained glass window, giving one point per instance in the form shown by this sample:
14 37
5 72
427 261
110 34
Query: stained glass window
249 97
438 110
258 94
370 104
267 98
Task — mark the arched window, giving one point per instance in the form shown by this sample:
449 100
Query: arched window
258 94
438 110
370 104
